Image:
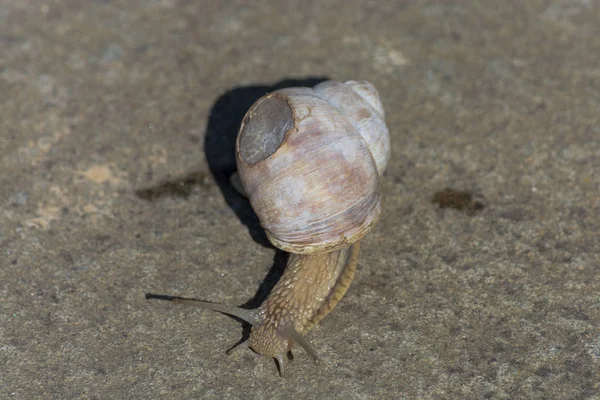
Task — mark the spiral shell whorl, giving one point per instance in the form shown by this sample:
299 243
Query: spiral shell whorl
360 103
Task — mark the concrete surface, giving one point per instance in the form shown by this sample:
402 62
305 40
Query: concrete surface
117 123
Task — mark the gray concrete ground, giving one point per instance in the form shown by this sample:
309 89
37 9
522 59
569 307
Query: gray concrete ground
117 121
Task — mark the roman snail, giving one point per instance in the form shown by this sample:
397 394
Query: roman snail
310 161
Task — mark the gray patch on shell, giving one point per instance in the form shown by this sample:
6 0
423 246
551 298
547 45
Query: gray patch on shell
264 129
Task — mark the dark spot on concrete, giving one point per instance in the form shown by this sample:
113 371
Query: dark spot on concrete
453 369
543 372
449 258
179 187
366 372
467 267
459 200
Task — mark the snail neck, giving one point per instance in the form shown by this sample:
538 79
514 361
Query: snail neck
309 289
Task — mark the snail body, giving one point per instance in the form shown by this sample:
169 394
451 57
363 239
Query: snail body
310 161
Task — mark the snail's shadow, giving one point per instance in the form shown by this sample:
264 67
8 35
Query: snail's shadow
219 146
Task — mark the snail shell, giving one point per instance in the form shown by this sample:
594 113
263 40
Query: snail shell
310 161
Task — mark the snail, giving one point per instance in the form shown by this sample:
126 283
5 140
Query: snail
310 161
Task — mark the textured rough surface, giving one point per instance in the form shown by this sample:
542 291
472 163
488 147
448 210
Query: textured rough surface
117 130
